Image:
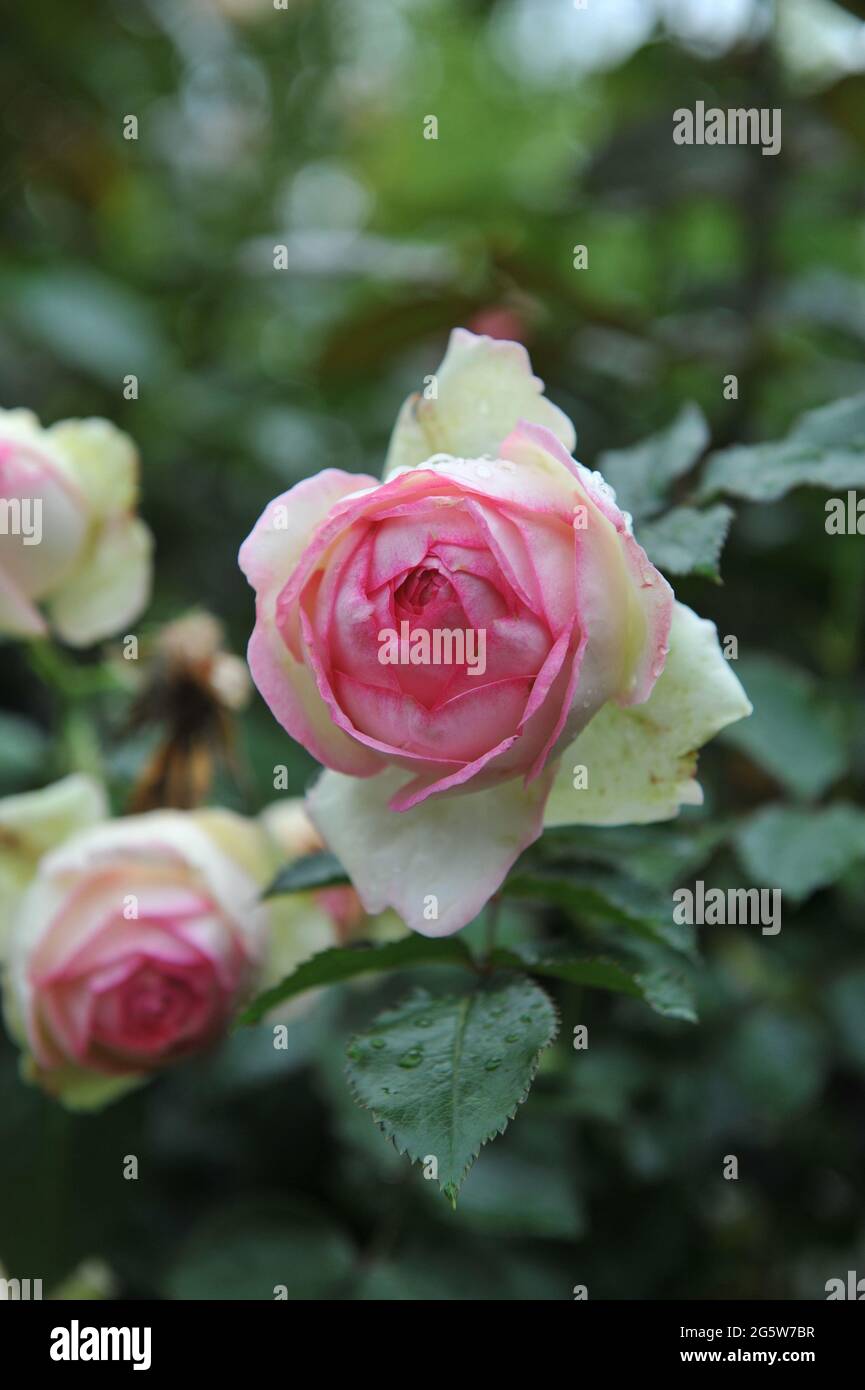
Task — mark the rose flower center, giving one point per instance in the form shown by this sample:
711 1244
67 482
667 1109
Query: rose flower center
152 1001
422 587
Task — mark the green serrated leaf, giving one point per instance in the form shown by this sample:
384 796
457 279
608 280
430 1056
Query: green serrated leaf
443 1076
660 856
687 540
825 448
596 972
340 963
609 897
667 991
642 474
800 850
766 472
838 423
321 870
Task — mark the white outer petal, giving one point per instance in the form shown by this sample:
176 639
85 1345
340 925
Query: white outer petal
102 461
33 823
110 587
454 849
39 820
485 385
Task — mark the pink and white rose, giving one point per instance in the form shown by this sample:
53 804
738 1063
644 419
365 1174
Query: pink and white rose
129 944
440 775
132 947
70 541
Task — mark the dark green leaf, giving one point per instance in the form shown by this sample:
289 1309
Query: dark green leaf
667 991
825 448
443 1076
340 963
800 850
321 870
642 474
660 856
607 897
688 541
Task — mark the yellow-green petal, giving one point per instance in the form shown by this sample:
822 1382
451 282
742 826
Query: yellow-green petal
640 761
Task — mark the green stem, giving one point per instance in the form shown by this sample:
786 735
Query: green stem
66 677
75 687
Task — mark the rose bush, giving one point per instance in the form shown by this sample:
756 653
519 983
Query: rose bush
83 553
131 942
439 776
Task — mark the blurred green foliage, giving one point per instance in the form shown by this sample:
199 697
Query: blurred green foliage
304 127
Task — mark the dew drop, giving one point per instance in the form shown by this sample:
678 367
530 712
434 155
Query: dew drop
377 1043
412 1058
493 1064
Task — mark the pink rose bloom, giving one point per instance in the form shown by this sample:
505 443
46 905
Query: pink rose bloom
132 947
69 538
442 639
